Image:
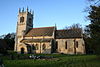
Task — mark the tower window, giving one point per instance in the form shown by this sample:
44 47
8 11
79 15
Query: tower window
30 20
21 19
66 45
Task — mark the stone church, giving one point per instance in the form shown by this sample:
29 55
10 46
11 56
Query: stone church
45 40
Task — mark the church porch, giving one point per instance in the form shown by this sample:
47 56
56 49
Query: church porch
38 45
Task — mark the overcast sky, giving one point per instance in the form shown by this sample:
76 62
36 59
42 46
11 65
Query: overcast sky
46 13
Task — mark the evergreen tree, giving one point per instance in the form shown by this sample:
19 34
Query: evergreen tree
94 27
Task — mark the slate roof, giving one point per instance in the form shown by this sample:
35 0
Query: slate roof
60 34
63 34
43 31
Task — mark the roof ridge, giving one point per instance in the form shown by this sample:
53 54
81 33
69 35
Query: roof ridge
66 30
62 30
44 27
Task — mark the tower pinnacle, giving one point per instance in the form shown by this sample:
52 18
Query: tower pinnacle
27 9
30 10
33 12
19 9
23 9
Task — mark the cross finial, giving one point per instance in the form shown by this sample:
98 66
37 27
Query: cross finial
55 25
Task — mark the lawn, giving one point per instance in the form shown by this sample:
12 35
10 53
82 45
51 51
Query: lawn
58 60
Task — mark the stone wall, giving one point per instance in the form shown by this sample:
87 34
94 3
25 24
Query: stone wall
71 46
38 49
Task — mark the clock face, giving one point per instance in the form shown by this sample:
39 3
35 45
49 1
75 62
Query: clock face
21 19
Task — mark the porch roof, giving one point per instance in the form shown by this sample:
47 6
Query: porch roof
36 40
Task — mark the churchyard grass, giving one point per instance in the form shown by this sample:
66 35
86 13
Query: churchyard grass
58 60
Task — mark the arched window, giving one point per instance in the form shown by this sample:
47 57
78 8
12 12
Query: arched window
76 44
43 46
66 45
36 46
21 19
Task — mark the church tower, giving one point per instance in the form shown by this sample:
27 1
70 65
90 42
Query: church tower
24 24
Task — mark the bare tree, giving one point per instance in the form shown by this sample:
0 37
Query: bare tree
76 27
95 1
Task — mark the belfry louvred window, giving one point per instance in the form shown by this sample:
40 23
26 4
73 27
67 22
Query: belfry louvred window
21 19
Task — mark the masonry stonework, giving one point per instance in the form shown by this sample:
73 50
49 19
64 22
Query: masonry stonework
45 40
